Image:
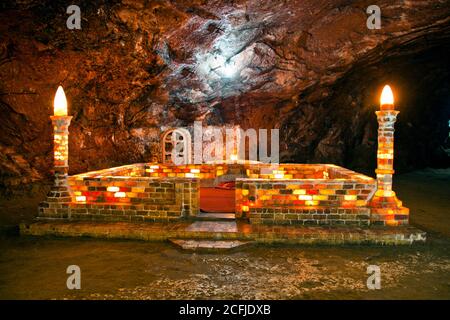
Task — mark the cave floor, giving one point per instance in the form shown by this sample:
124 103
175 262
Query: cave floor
35 268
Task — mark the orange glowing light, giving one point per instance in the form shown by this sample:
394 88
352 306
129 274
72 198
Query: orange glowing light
233 157
60 103
387 97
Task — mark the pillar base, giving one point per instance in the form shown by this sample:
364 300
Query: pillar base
388 211
57 203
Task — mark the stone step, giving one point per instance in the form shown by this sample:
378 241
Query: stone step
215 216
213 227
209 245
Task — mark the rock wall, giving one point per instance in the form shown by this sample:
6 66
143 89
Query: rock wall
308 67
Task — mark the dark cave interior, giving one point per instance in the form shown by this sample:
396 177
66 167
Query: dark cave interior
310 68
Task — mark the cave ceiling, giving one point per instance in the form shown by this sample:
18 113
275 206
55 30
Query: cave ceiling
311 68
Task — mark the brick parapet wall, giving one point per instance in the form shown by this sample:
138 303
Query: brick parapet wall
266 194
127 199
341 200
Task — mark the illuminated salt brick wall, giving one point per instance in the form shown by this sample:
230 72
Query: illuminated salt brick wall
286 171
206 173
339 198
283 194
231 171
125 194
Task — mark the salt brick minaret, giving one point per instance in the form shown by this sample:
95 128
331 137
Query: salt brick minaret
386 209
58 199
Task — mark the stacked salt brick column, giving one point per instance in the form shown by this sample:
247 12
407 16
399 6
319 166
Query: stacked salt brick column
58 199
386 209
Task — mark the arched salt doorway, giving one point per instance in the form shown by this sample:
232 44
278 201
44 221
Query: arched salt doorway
176 146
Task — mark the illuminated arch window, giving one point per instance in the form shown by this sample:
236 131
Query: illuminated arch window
176 146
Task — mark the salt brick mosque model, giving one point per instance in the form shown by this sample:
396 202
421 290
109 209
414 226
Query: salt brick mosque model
291 194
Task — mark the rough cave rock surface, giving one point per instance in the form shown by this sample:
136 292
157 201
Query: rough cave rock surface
311 68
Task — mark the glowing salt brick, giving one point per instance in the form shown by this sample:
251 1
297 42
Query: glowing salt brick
388 193
112 189
171 175
361 203
278 175
299 191
189 175
80 199
219 172
244 192
392 223
384 193
349 197
385 156
120 195
77 193
320 197
326 192
311 203
149 170
245 208
305 197
195 170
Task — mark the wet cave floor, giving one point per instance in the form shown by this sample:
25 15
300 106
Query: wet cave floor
35 268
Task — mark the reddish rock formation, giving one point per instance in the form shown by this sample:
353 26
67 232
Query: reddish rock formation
310 68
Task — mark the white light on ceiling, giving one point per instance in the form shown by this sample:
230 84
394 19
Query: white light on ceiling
228 70
224 68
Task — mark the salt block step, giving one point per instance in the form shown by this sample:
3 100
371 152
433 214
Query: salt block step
213 227
215 216
209 245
